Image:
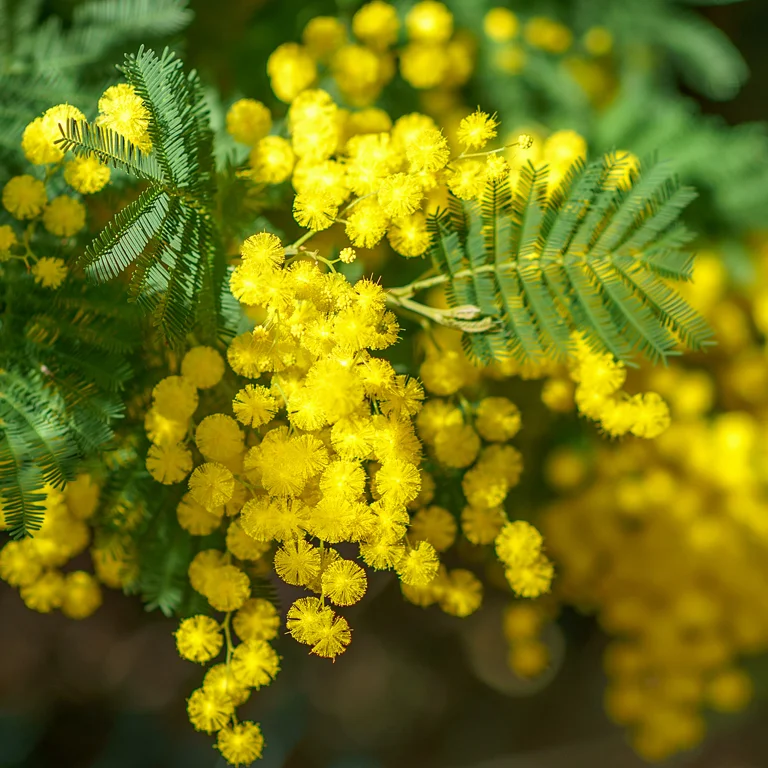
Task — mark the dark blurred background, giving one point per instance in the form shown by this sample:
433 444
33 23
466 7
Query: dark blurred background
416 689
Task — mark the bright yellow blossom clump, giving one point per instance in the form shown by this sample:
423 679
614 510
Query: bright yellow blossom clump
24 197
50 272
248 121
40 136
122 111
86 174
296 445
64 216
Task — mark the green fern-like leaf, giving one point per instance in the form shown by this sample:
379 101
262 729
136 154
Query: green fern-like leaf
111 148
36 447
594 255
167 237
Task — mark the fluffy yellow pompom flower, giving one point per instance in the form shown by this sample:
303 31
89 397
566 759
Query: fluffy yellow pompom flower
203 569
254 405
163 431
121 110
424 65
426 150
323 35
291 70
598 41
263 250
500 24
409 236
219 438
314 210
18 564
730 690
560 151
398 481
457 446
248 121
344 582
256 620
228 589
400 195
45 593
334 637
419 565
313 108
242 545
64 216
429 21
255 663
82 595
272 160
343 479
306 617
481 525
24 197
219 679
297 562
169 463
436 416
518 544
39 138
86 174
240 743
209 710
466 179
460 593
498 419
211 484
359 73
195 518
376 24
496 167
533 579
50 272
175 398
203 366
434 525
366 224
651 415
199 639
477 129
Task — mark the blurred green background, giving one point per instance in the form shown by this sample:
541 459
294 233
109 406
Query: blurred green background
416 689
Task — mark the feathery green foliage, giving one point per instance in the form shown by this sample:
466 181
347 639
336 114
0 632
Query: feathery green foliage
595 255
168 237
44 61
65 360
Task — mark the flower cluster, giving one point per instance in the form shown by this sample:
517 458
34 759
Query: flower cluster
431 57
692 502
514 42
363 171
35 565
599 378
664 502
319 455
523 624
26 197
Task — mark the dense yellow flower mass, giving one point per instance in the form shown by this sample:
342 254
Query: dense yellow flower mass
307 456
323 451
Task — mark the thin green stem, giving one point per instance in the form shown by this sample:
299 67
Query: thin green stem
293 248
470 320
